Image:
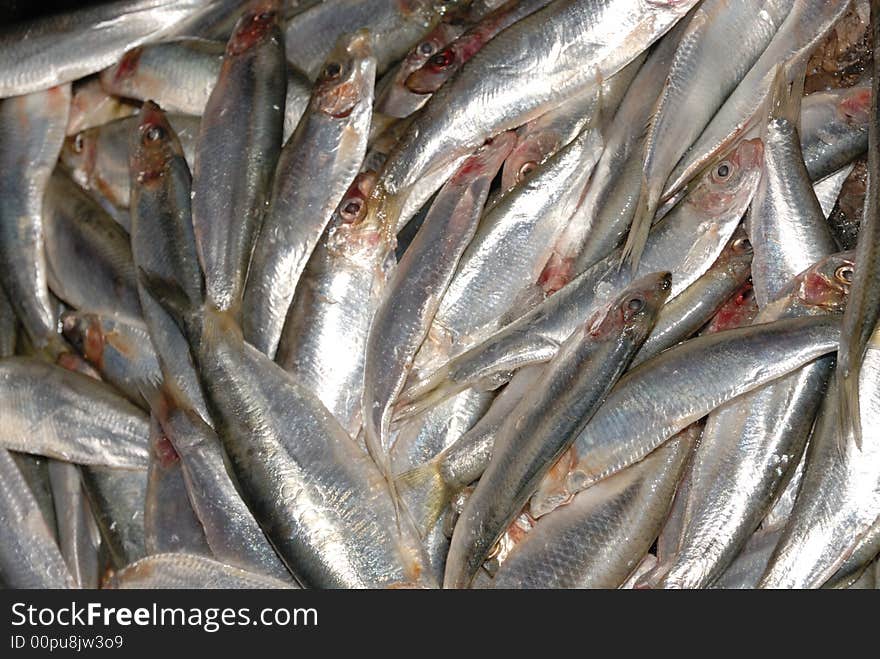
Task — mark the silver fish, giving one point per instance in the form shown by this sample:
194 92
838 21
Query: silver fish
187 571
78 536
117 496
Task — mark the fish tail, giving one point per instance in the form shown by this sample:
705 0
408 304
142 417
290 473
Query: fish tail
848 411
639 229
426 492
786 91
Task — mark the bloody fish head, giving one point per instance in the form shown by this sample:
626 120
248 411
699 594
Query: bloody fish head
257 24
826 284
728 179
340 86
155 144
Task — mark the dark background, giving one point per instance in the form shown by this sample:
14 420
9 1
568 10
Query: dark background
18 10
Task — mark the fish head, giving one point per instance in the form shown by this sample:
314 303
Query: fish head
79 154
729 183
117 77
349 234
260 22
435 71
738 311
527 156
347 78
855 107
85 333
634 312
738 252
155 145
825 286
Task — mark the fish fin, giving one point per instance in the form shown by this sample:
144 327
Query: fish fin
848 412
786 92
427 492
638 230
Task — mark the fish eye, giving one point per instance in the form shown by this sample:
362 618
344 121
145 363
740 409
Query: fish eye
332 70
153 133
527 168
723 170
79 143
426 48
844 274
264 16
635 304
742 244
442 59
351 210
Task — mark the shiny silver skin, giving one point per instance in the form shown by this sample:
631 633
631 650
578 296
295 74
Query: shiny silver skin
834 128
29 557
540 138
321 500
746 569
170 523
417 441
785 223
778 515
545 422
686 242
803 28
180 75
413 295
186 571
698 303
863 312
91 106
48 410
599 538
751 446
49 51
429 487
839 498
608 207
121 352
504 261
315 168
87 253
236 152
32 132
35 471
530 68
78 537
828 189
701 77
394 29
657 399
117 496
323 343
858 561
163 242
98 158
229 527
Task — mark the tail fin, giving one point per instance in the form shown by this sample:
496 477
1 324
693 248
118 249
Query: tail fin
426 494
786 92
639 229
848 410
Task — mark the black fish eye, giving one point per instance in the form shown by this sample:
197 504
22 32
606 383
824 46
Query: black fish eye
265 16
742 245
79 143
723 170
426 48
332 70
635 304
154 133
844 274
352 209
527 168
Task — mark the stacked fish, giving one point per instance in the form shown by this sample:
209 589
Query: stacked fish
459 293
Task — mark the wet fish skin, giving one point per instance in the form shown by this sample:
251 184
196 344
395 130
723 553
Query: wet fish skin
649 398
49 51
29 557
120 351
711 213
323 343
746 569
98 158
50 411
186 571
91 106
77 529
839 497
320 499
751 445
413 295
328 146
700 78
698 303
827 192
543 425
88 254
858 561
846 217
598 539
863 312
8 326
170 523
236 151
31 131
163 241
524 76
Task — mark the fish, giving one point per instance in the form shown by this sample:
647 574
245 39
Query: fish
335 123
117 496
8 326
543 425
53 50
846 217
78 537
91 106
188 571
242 124
413 295
50 411
32 132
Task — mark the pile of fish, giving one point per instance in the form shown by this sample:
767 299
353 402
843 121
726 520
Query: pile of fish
443 293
